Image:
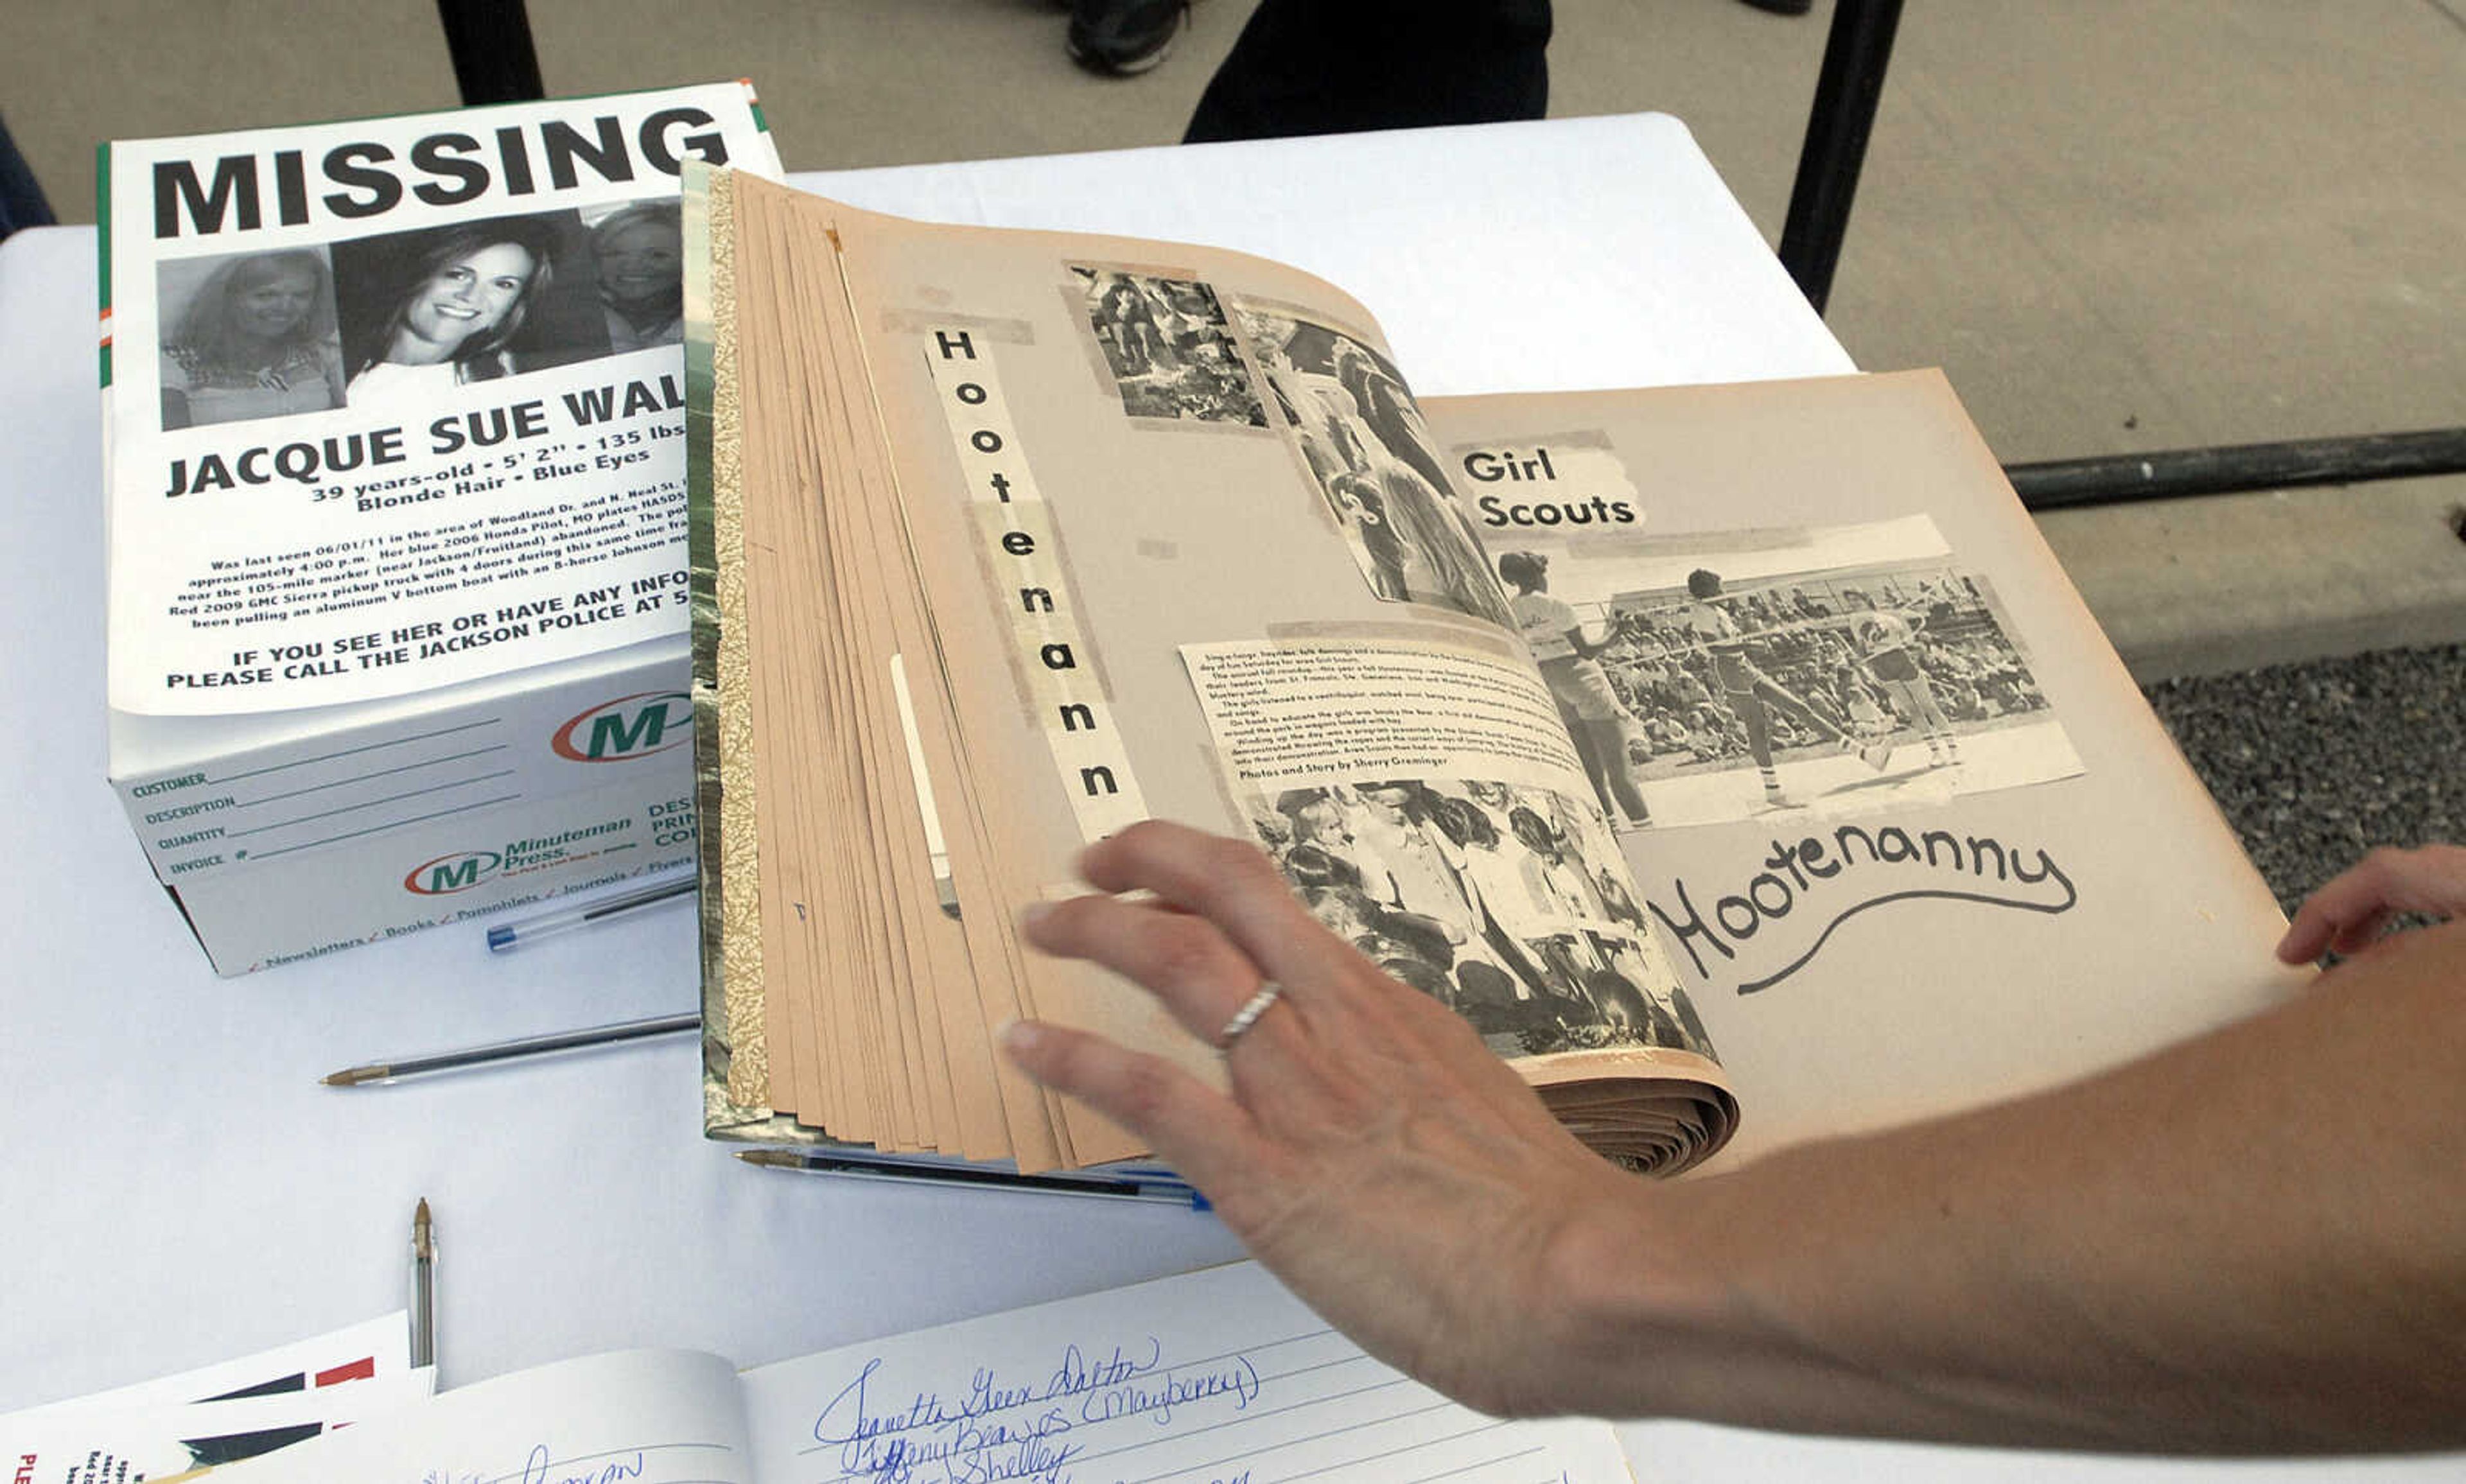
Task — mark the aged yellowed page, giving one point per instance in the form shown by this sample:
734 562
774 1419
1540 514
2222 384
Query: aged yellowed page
2027 885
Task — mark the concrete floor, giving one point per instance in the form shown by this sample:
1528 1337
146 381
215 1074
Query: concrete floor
2119 227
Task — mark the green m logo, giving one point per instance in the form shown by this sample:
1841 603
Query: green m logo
635 725
447 874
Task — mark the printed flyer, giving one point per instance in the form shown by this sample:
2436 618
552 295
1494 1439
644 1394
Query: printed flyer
397 403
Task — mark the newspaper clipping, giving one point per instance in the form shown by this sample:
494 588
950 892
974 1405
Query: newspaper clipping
1426 804
1813 671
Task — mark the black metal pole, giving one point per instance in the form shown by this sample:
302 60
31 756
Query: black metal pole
2063 482
1846 90
490 42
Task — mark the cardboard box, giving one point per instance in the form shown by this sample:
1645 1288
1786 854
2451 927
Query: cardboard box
294 834
394 448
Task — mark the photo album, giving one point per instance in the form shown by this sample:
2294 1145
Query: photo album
1737 761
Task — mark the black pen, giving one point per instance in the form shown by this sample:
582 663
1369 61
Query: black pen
1160 1192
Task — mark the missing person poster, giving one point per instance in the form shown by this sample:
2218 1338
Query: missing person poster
397 403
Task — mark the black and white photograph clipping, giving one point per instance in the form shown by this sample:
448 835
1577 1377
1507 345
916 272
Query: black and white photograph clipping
1505 903
1169 347
1356 428
1819 671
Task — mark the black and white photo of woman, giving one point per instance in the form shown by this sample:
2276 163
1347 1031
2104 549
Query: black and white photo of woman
637 254
425 312
252 337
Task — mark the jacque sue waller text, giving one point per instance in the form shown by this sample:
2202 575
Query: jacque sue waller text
312 462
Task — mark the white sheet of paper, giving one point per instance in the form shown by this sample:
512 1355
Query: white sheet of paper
1219 1375
382 1343
639 1416
166 1440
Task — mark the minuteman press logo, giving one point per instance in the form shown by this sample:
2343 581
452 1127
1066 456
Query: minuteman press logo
629 727
448 875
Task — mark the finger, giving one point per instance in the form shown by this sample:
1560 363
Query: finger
1198 976
2314 931
2350 910
1230 883
2346 938
2337 906
2431 879
2308 937
2356 936
1205 1136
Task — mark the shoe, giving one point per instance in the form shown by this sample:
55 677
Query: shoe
1783 7
1774 799
1123 37
1877 756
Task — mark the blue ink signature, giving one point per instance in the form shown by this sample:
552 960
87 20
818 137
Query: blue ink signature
536 1470
1234 1378
1001 1429
935 1440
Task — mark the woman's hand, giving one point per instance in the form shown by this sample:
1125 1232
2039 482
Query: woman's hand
1373 1152
2353 910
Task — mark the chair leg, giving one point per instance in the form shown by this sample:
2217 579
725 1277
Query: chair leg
21 196
1846 90
490 42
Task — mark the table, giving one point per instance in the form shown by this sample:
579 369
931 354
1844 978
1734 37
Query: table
182 1189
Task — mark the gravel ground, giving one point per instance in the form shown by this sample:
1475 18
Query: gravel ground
2315 764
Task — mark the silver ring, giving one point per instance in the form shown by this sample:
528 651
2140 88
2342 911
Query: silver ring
1248 1015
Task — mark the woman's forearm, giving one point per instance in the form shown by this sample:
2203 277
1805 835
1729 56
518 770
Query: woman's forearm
2254 1241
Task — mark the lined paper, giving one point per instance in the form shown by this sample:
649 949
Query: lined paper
1217 1376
